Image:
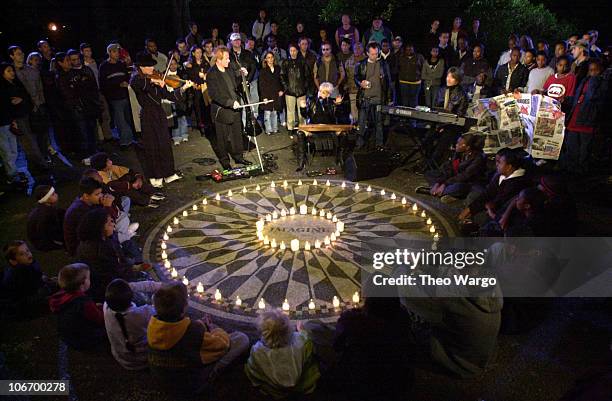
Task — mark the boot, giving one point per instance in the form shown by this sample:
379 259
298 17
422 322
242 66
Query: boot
300 151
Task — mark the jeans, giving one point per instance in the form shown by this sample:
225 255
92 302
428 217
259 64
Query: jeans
181 131
431 94
368 117
456 190
104 121
293 103
354 109
8 150
39 122
577 151
122 114
122 222
87 131
29 143
410 94
271 121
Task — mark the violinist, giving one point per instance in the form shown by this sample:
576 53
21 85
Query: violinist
150 89
225 110
196 71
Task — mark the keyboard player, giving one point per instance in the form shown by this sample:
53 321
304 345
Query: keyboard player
454 100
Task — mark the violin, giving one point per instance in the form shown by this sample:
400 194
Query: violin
172 81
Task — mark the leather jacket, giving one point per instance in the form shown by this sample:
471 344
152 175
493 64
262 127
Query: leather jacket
457 100
385 80
294 76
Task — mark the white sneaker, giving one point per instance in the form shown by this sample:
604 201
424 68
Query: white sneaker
185 139
133 227
173 177
177 143
156 182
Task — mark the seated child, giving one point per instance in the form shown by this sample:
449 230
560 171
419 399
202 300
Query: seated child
526 216
123 181
186 355
26 288
80 321
282 361
45 226
126 324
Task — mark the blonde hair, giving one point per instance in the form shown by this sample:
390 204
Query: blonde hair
326 86
274 328
71 276
219 50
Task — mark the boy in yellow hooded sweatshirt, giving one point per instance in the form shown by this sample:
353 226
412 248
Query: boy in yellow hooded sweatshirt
186 355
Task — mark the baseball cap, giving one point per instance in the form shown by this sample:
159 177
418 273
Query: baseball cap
112 46
235 36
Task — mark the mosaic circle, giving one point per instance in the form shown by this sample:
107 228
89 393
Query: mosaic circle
214 245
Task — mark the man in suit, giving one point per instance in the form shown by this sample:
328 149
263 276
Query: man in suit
225 110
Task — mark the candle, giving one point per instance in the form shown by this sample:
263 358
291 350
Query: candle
369 189
166 238
393 196
164 255
185 281
174 273
238 301
299 182
262 304
204 201
337 233
303 209
327 183
266 240
185 213
429 221
217 197
260 235
273 243
317 244
334 219
322 213
307 246
218 296
285 305
167 264
423 214
314 211
272 185
332 237
283 246
357 187
436 237
175 220
200 288
415 207
268 217
311 305
343 184
194 208
326 240
169 229
283 213
356 297
285 184
328 215
291 210
295 245
432 229
230 193
274 215
260 225
257 188
163 245
382 192
336 302
340 226
244 190
404 201
314 182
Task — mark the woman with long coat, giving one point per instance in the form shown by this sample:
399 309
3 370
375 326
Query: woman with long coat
271 88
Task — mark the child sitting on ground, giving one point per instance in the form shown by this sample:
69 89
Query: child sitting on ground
45 225
126 323
186 355
80 321
282 361
25 287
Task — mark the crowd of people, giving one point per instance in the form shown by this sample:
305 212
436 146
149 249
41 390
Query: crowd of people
68 101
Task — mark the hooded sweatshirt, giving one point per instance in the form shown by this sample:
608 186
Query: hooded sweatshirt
80 321
280 371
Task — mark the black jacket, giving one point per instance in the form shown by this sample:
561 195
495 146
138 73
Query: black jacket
320 111
223 92
9 111
471 170
246 60
385 80
269 85
499 194
79 91
518 80
295 76
457 100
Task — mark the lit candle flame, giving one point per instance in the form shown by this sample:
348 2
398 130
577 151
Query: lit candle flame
335 302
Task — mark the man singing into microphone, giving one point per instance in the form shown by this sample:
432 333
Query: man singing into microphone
225 110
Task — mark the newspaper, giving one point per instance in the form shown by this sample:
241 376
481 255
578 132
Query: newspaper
534 122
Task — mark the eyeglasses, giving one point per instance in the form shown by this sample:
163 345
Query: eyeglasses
326 49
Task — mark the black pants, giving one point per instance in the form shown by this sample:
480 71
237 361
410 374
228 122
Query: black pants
223 146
